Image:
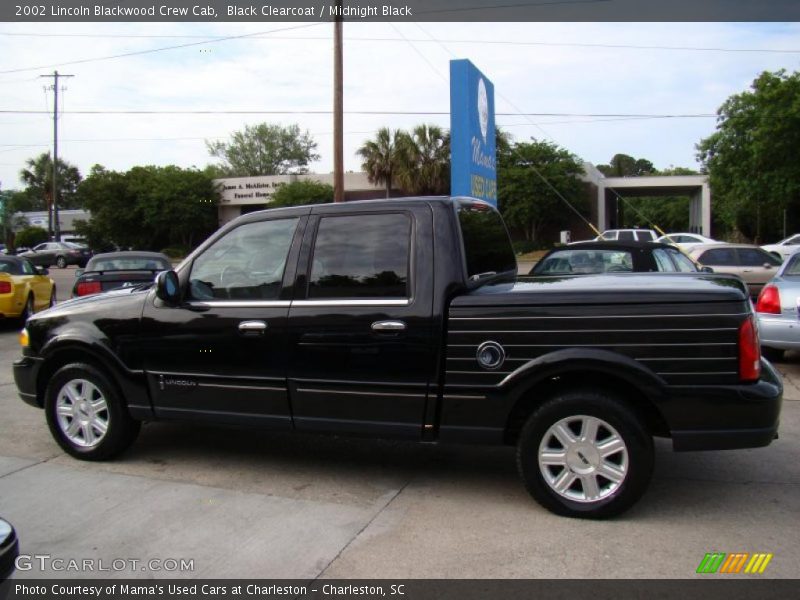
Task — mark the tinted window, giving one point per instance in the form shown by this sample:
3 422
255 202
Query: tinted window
487 247
247 263
793 241
793 268
719 257
755 257
361 256
645 236
128 263
682 262
11 267
662 260
41 247
625 236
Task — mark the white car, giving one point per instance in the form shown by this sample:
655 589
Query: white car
784 248
685 240
627 235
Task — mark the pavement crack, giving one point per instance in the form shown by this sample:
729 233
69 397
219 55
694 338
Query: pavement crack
366 525
37 463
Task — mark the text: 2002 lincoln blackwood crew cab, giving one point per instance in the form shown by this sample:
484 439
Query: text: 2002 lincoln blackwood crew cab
404 318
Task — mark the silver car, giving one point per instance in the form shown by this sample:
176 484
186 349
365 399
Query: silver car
777 309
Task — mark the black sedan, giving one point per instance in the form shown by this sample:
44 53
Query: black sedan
60 254
114 270
591 258
9 549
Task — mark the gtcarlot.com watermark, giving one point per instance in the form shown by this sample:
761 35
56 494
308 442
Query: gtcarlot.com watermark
47 562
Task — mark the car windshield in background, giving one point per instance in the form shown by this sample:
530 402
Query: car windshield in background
131 263
584 262
792 269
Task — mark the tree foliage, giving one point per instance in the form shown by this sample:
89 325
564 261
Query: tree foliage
381 158
424 161
751 158
301 192
148 208
622 165
525 200
38 179
265 149
30 237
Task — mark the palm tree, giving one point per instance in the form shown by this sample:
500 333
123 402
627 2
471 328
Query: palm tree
38 177
381 157
425 163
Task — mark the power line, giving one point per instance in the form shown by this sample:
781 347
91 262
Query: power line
428 113
266 37
153 50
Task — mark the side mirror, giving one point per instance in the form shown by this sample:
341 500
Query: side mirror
79 272
767 266
706 270
168 287
42 270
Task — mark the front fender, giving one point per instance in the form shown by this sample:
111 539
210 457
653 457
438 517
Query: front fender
583 360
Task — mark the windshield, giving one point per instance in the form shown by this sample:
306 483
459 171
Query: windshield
129 263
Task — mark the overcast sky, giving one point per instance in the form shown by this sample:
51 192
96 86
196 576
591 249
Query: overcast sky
536 68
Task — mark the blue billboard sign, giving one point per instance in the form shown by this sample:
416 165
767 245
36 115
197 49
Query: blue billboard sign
473 163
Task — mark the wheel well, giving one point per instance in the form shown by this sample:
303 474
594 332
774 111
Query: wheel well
65 357
543 390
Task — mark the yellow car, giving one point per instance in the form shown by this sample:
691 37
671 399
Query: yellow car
24 289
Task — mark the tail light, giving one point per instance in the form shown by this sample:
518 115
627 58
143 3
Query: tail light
5 287
749 351
85 288
769 301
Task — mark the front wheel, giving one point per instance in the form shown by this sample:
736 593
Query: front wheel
61 262
86 415
585 454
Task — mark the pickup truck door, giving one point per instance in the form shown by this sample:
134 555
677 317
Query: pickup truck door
221 355
361 324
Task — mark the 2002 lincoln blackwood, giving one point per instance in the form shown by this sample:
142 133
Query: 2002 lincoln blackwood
405 318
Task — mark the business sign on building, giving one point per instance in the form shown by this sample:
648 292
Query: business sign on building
473 164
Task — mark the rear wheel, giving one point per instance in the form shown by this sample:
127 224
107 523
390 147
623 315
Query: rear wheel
52 297
772 354
61 262
86 414
585 454
28 310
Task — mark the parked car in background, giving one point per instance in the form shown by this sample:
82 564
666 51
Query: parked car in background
685 240
585 258
751 263
24 288
785 248
777 310
60 254
628 235
9 550
112 270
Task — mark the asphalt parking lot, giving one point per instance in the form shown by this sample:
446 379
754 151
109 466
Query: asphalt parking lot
250 504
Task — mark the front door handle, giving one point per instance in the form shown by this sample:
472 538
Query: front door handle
388 326
252 327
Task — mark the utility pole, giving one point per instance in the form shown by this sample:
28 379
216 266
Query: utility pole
338 93
52 212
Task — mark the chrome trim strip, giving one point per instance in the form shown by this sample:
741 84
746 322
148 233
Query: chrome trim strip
446 396
350 302
478 372
494 331
736 358
597 345
241 387
214 376
241 304
350 393
359 383
701 373
598 317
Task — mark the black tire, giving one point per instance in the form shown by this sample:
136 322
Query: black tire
28 310
61 262
772 354
52 298
121 430
636 459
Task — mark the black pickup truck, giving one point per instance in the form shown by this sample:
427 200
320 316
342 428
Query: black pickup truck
405 318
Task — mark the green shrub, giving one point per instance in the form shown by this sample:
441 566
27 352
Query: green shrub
175 252
30 237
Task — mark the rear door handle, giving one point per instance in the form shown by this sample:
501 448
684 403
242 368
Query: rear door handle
252 327
388 326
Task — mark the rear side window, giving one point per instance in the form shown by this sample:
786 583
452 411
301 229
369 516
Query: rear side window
625 236
361 256
719 257
753 257
644 236
487 247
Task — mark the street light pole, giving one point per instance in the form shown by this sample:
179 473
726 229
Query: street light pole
53 209
338 93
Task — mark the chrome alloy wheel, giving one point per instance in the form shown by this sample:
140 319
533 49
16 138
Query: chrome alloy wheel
583 458
82 413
